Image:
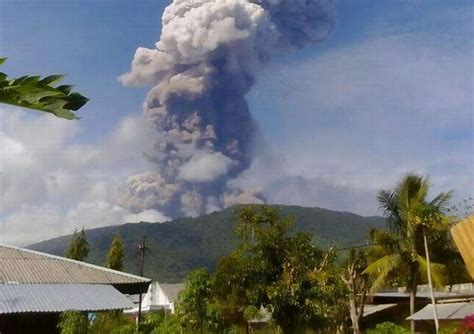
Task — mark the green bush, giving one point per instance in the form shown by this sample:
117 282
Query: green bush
113 322
158 322
73 322
454 328
388 328
150 321
168 326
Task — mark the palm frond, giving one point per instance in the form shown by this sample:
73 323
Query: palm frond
410 193
384 239
388 203
438 272
382 268
441 201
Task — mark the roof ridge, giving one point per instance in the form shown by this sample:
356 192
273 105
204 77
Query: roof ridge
81 263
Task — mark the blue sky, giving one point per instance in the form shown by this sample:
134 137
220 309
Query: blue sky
390 91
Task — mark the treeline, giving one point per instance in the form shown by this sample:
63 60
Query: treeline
176 248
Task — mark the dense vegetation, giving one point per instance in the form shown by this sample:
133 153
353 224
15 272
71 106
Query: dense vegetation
272 269
177 247
297 285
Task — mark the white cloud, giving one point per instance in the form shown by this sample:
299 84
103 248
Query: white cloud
50 185
32 223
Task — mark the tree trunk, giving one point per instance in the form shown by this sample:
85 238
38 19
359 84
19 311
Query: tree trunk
248 328
354 315
412 310
356 283
413 287
430 284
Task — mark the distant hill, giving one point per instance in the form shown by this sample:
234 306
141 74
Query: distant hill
181 245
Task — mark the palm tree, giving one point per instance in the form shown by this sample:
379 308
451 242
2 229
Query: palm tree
400 254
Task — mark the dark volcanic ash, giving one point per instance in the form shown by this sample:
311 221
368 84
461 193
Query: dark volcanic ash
205 62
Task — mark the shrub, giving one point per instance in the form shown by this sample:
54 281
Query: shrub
113 322
73 322
168 326
467 325
388 327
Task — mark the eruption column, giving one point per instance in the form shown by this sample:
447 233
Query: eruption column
205 62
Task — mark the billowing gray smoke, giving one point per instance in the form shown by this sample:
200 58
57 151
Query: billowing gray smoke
203 65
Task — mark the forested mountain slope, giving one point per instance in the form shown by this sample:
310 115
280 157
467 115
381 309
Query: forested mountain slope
181 245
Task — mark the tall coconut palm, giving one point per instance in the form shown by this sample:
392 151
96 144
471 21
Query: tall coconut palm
399 255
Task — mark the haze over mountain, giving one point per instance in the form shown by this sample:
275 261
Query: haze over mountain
181 245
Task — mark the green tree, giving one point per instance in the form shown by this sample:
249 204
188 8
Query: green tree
78 248
358 285
196 310
115 255
35 93
169 325
278 271
229 284
399 255
113 322
160 322
73 322
387 327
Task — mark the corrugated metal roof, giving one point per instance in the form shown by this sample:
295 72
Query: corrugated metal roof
445 311
23 298
134 298
26 266
371 309
426 295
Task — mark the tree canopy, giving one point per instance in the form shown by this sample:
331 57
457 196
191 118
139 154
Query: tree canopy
272 270
41 94
115 255
78 248
399 257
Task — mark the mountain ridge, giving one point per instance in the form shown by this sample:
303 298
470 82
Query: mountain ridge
181 245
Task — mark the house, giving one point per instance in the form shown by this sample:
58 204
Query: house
160 296
393 305
36 287
447 313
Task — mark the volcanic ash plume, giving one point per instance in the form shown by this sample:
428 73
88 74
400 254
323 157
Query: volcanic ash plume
203 65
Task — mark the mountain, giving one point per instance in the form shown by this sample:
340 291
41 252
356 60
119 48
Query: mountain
181 245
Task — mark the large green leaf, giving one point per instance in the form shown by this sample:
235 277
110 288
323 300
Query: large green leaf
438 272
35 93
382 268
